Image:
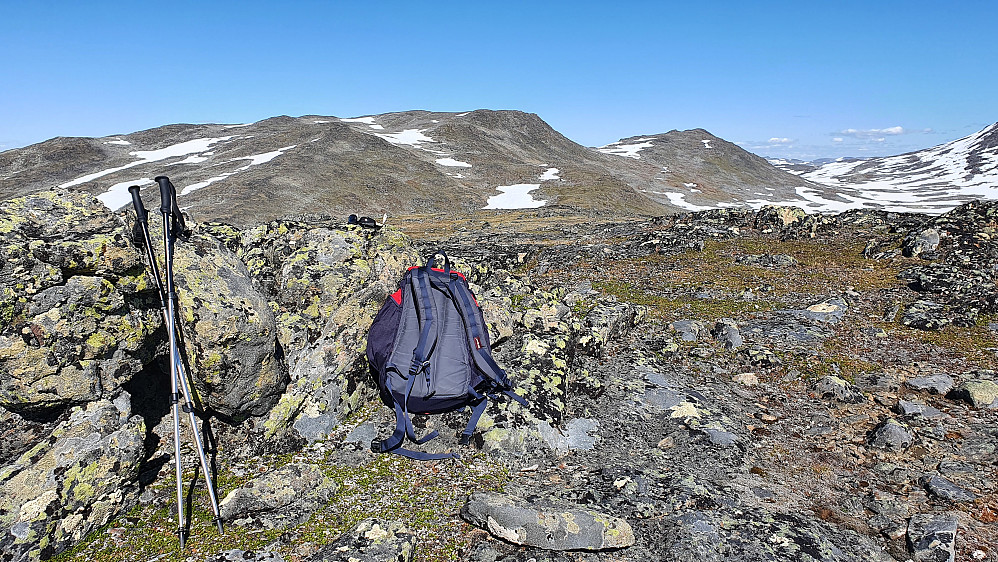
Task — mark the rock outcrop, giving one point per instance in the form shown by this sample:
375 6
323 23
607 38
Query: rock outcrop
722 385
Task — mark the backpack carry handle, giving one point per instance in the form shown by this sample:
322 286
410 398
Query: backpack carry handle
433 260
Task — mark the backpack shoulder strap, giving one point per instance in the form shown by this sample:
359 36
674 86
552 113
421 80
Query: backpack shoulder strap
477 341
419 284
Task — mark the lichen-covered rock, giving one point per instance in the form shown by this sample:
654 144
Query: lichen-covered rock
74 323
76 481
554 527
371 540
237 555
979 393
327 284
279 499
926 315
229 331
830 311
776 261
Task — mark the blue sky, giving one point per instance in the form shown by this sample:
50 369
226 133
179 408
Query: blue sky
792 79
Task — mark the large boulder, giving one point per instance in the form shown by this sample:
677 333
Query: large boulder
79 479
230 334
74 312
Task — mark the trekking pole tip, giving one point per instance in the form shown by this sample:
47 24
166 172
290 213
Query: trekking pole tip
218 523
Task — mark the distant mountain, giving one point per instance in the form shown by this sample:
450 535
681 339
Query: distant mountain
420 161
399 162
933 180
696 170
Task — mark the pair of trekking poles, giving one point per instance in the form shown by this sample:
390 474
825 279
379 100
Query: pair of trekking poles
180 393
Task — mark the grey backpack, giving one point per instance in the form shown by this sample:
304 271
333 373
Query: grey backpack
430 353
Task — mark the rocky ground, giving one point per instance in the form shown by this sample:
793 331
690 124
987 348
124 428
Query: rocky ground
724 385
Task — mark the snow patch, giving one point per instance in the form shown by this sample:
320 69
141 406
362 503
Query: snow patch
146 156
550 174
515 197
627 150
263 158
706 143
117 141
411 137
452 162
254 159
117 196
192 159
679 200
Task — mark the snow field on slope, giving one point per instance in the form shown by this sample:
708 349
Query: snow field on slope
627 150
515 197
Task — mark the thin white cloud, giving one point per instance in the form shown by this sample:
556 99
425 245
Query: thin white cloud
875 134
781 140
838 139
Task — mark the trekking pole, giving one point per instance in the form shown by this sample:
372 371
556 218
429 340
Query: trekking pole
177 221
177 369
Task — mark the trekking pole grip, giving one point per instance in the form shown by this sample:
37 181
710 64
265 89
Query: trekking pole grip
140 209
166 194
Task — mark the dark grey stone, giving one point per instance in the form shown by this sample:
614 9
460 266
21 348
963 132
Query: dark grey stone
689 330
935 384
661 399
726 332
721 437
932 537
891 435
364 434
946 490
839 389
917 410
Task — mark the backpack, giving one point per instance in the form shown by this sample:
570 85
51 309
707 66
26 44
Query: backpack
429 352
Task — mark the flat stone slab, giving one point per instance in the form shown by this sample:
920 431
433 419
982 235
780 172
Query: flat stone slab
552 527
935 384
917 409
944 489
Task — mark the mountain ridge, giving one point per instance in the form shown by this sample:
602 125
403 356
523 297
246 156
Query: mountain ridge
424 161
